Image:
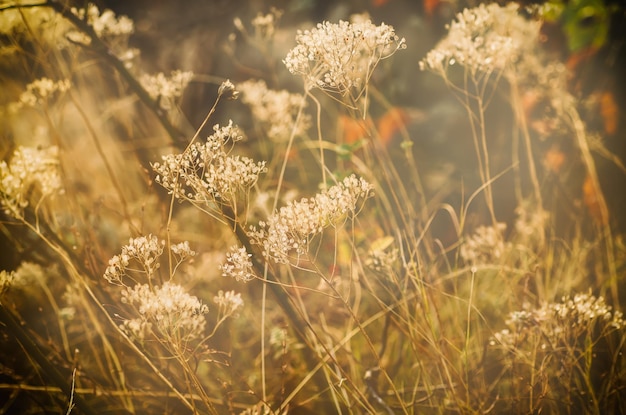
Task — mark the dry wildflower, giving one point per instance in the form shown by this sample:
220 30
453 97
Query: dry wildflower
227 90
39 92
29 169
182 250
112 29
206 172
485 245
238 264
166 88
555 324
486 38
144 250
168 311
382 256
340 57
293 226
105 24
490 39
530 222
228 303
42 23
28 274
265 24
275 111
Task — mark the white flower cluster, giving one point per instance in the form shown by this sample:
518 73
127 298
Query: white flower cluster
29 169
560 322
238 264
145 250
340 57
205 172
42 23
167 311
105 24
228 303
382 256
265 24
530 222
486 38
28 274
382 261
276 111
166 88
39 92
485 245
114 30
294 225
182 250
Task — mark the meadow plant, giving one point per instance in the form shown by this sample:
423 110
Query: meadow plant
340 57
33 172
275 111
155 267
293 227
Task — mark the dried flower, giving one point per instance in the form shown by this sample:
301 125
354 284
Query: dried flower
205 172
42 23
561 322
238 264
265 24
382 255
530 222
145 250
294 225
227 90
169 311
485 245
182 250
39 92
340 57
486 38
28 169
228 302
105 24
276 111
166 88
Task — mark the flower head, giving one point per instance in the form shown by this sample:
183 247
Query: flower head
169 311
166 88
340 57
105 24
205 172
293 226
145 250
485 38
29 169
228 302
238 264
276 111
39 92
485 245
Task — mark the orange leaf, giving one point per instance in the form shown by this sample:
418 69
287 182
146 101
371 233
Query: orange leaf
553 159
390 123
577 58
351 129
590 199
609 112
